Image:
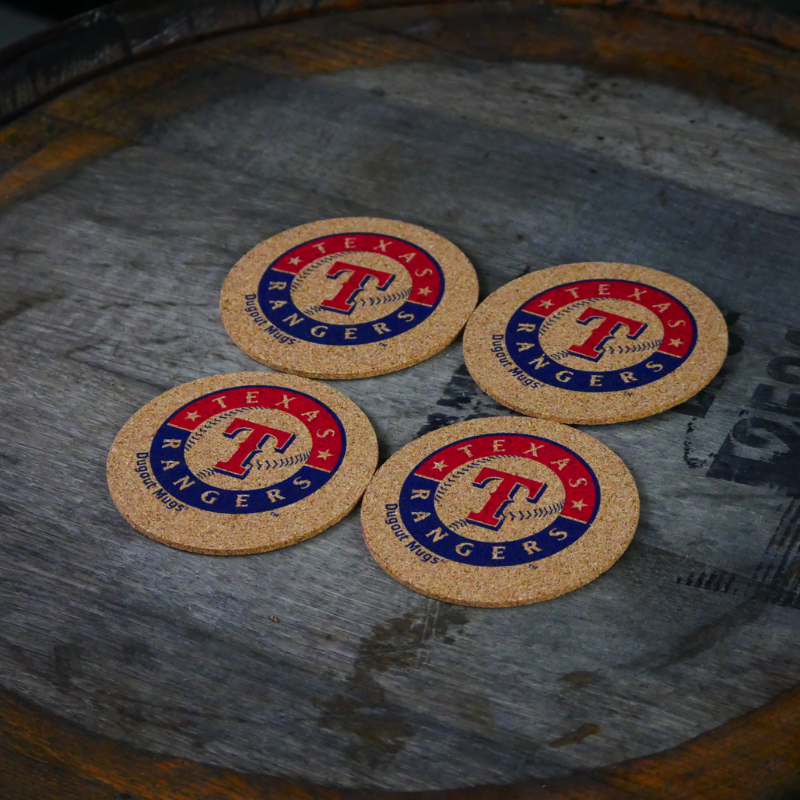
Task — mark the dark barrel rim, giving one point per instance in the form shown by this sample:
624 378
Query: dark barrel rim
45 64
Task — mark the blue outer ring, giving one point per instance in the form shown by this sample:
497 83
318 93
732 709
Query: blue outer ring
225 502
580 380
481 553
365 331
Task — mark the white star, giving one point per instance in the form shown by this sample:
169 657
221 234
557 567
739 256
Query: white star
192 415
324 454
579 504
676 342
424 292
296 260
440 465
546 303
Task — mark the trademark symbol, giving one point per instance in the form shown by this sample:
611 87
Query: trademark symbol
533 566
274 513
382 344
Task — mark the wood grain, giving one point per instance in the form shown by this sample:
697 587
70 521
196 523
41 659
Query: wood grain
754 757
543 135
117 35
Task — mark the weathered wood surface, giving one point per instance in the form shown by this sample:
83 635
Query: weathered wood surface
126 202
120 33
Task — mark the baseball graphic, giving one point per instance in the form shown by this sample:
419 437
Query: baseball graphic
606 335
499 499
350 289
568 326
266 465
247 450
380 287
520 517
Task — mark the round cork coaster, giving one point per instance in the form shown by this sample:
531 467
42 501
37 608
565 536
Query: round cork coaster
500 512
348 298
594 343
241 463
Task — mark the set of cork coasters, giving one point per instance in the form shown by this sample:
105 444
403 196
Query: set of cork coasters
499 511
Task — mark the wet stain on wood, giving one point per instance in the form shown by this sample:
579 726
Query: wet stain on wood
364 709
579 679
578 735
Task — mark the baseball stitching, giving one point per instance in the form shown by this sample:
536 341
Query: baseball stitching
537 513
528 514
306 273
379 300
556 316
447 484
534 513
258 461
265 463
642 347
614 349
208 425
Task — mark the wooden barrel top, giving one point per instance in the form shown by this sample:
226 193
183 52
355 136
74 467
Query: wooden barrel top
145 148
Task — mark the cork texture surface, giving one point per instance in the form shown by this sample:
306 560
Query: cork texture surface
500 511
351 297
241 463
595 343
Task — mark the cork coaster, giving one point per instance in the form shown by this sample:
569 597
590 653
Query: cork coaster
500 511
241 463
594 343
348 298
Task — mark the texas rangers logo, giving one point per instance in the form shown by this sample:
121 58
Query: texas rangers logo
247 449
599 336
499 499
349 289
